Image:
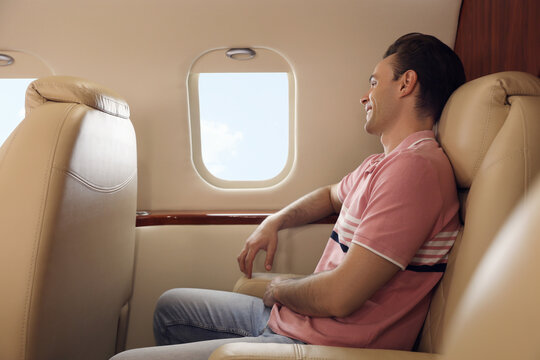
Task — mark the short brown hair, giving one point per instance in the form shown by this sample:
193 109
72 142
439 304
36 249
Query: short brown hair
438 68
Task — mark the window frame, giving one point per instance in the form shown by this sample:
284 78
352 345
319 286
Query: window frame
192 85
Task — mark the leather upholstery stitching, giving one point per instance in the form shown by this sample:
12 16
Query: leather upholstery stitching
95 187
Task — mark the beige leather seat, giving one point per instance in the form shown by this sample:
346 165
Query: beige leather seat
498 315
68 181
490 129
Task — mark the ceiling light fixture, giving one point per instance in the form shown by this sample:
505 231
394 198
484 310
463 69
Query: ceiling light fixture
241 53
6 60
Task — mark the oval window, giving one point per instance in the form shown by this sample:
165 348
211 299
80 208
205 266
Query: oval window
242 118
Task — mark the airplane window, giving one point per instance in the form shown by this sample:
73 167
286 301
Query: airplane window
12 95
244 121
242 118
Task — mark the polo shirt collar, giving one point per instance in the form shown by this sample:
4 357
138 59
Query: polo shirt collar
414 137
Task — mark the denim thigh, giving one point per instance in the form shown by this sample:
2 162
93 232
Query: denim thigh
189 315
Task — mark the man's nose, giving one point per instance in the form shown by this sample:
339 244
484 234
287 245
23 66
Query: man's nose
364 99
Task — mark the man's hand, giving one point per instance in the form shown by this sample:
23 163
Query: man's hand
268 298
338 292
315 205
265 238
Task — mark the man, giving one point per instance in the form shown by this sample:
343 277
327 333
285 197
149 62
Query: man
398 218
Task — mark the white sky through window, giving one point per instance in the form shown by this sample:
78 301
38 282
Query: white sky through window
12 95
244 122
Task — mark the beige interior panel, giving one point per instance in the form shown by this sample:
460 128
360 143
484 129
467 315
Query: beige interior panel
145 55
264 60
24 65
205 257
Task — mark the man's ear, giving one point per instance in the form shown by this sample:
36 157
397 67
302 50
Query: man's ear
407 82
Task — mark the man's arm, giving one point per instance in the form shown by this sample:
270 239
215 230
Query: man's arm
403 209
337 292
314 206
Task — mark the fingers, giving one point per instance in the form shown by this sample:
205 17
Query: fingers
241 260
249 263
268 297
245 260
270 252
264 239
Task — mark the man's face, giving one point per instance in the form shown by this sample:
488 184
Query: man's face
380 101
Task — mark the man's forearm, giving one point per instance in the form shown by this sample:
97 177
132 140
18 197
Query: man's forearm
311 207
307 296
338 292
314 206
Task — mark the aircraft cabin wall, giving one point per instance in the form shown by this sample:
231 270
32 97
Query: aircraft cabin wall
144 50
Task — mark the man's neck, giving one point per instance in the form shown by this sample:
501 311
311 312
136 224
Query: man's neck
393 137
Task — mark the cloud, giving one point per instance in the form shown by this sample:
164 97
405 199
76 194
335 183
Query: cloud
219 144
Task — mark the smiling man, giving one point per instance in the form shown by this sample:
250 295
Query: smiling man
398 219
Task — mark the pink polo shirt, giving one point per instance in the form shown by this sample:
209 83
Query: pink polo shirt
402 207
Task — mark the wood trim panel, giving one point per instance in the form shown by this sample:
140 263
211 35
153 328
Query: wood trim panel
157 218
499 35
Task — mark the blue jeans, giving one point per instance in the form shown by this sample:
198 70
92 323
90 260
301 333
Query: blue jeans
192 323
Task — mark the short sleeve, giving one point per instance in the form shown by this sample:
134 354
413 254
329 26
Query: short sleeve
344 187
404 205
348 182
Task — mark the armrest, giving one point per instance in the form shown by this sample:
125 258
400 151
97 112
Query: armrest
240 351
256 286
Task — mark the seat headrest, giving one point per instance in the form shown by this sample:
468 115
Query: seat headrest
76 90
473 116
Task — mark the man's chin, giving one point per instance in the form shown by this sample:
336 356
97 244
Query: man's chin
368 128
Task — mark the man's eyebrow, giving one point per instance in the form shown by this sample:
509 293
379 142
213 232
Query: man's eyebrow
371 78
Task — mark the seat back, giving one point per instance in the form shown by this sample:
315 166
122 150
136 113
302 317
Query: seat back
490 130
498 316
68 179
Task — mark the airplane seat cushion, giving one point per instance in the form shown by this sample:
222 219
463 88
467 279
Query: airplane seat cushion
498 316
68 182
474 115
490 130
